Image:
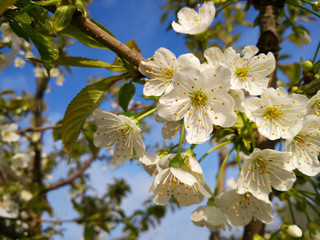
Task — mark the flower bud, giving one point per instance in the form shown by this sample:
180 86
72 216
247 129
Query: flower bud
294 89
304 38
293 231
307 66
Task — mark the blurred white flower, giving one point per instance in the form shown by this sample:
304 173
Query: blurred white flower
192 22
19 62
20 161
26 195
8 134
209 216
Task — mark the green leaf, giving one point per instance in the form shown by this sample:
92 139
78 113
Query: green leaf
293 71
57 132
80 108
62 17
80 7
17 29
46 2
126 93
89 233
257 237
45 46
81 62
80 36
4 4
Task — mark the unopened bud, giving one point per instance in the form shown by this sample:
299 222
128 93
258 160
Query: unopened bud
293 230
307 66
294 89
304 38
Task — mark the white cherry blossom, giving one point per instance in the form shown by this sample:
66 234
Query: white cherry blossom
170 129
238 97
161 69
276 113
241 208
209 216
305 146
20 161
186 185
8 134
150 163
313 106
249 72
202 99
264 169
121 132
192 22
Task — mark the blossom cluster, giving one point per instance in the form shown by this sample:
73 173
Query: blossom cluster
196 97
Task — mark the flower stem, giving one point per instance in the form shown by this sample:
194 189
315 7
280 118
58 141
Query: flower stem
181 137
220 171
238 157
253 143
291 211
193 146
171 148
226 4
145 114
315 55
212 149
303 7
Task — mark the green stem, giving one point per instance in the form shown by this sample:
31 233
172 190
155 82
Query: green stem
220 171
249 129
212 149
274 236
171 148
145 114
291 211
193 146
306 1
181 137
315 55
205 43
303 7
238 157
306 193
226 4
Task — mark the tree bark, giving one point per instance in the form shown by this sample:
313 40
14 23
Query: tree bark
268 42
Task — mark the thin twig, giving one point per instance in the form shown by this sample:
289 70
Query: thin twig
63 182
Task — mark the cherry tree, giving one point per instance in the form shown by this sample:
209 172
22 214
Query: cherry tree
265 128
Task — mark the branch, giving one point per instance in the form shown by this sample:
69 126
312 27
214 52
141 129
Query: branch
38 129
63 182
94 31
268 42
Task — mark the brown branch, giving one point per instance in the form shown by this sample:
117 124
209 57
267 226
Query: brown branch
38 129
94 31
63 182
268 42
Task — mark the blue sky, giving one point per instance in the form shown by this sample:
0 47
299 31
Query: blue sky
139 20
